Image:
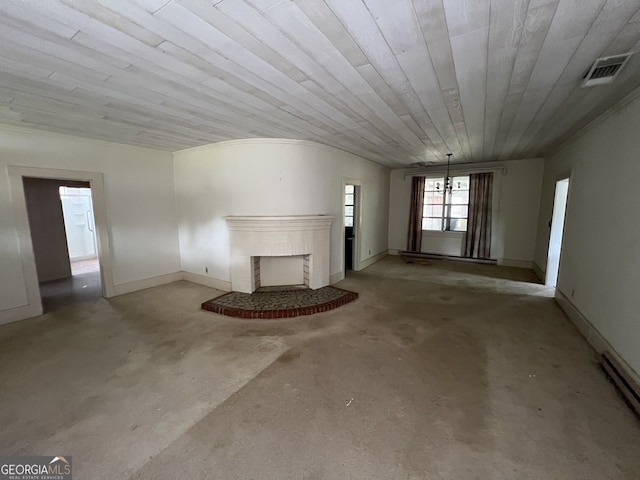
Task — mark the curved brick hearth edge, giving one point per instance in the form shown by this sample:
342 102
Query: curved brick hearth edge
213 305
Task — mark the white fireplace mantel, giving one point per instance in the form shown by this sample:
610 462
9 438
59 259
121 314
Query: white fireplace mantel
273 236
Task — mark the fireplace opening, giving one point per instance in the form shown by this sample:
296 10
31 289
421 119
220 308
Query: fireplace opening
281 271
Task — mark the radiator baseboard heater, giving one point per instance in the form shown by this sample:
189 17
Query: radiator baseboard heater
626 385
436 256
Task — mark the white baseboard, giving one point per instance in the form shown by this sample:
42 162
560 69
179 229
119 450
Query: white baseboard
207 281
19 313
339 276
336 277
29 311
393 251
371 260
512 262
136 285
539 272
591 334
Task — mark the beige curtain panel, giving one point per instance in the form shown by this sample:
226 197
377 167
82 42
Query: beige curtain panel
477 242
414 238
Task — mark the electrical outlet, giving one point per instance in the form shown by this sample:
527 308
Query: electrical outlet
573 292
206 269
369 252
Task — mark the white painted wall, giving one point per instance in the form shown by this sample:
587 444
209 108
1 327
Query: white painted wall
140 201
271 177
600 261
515 210
442 243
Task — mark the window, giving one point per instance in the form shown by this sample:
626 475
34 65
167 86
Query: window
348 205
446 212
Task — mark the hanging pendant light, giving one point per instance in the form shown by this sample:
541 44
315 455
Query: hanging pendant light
447 180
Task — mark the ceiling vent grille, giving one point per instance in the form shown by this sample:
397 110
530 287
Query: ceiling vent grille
604 70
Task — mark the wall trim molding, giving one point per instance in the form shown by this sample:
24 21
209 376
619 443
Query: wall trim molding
90 141
393 251
538 271
211 282
16 174
34 310
143 284
336 277
611 111
31 310
20 313
591 333
277 141
512 262
373 259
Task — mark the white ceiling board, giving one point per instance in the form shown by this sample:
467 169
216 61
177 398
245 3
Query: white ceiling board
403 34
507 19
469 37
108 16
534 31
326 63
578 110
397 82
15 9
321 102
582 105
612 18
433 27
560 44
363 28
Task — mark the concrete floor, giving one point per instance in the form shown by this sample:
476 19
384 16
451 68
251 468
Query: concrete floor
439 371
77 289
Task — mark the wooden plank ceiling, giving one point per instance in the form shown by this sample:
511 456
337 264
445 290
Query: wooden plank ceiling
398 82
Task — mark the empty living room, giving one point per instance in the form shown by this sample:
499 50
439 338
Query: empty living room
319 239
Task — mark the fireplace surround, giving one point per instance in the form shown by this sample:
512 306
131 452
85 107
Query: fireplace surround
252 237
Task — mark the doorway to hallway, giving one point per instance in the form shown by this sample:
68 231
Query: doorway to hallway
557 231
62 230
352 194
349 229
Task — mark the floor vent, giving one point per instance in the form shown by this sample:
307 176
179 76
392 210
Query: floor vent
605 70
629 389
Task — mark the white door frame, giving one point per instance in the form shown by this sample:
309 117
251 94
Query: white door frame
554 218
357 222
16 174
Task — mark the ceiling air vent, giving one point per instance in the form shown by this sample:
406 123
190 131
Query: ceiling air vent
605 70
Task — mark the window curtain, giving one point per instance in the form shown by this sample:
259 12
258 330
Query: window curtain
477 242
414 239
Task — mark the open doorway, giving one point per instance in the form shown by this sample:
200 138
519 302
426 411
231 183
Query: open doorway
557 231
79 225
17 174
351 225
349 232
62 230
